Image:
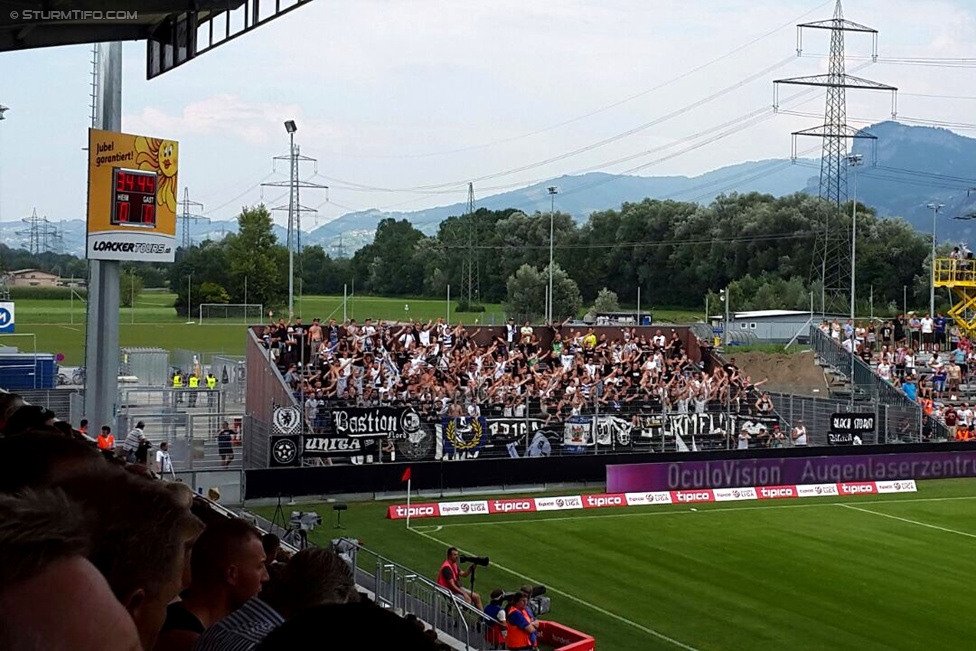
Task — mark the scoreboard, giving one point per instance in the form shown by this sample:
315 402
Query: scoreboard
134 198
132 188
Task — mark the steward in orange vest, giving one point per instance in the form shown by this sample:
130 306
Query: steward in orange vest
105 440
520 631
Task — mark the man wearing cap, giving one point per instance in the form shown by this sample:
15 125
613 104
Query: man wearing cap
495 633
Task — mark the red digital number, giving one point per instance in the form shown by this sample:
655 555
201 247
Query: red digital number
130 182
120 182
148 213
151 184
122 212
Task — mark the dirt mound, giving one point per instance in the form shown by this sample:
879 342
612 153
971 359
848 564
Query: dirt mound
795 373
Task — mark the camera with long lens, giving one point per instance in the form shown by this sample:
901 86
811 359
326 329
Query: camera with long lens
476 560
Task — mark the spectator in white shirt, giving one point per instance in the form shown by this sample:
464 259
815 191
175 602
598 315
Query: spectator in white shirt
164 465
884 370
927 325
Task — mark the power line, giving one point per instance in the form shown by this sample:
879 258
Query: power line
607 107
590 147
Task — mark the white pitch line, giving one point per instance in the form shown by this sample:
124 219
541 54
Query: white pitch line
602 611
677 512
915 522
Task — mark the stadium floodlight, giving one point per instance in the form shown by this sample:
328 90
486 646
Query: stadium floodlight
290 126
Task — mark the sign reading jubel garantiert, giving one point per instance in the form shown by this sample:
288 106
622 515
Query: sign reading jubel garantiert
132 182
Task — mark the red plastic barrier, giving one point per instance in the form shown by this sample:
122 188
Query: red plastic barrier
563 638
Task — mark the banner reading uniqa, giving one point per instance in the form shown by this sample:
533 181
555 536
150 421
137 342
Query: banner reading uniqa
132 187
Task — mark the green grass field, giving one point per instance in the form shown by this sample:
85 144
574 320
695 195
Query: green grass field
59 325
872 573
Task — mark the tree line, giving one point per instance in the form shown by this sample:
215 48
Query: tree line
679 255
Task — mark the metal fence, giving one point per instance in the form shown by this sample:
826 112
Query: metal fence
186 418
256 443
404 591
894 424
231 373
57 400
901 413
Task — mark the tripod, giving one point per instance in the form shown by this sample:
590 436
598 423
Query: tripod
279 516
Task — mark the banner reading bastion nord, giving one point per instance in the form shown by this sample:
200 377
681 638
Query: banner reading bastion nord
737 473
132 186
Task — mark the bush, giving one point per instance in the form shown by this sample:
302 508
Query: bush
464 307
45 293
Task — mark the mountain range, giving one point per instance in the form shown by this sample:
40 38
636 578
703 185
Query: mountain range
905 168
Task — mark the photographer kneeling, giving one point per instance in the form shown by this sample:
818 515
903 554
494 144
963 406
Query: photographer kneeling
450 575
520 631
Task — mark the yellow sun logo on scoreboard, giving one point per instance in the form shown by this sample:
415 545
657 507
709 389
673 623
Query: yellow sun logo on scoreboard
160 156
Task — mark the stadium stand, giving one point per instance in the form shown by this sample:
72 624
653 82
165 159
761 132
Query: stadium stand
554 373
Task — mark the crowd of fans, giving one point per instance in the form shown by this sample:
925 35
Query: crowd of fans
97 553
895 349
445 370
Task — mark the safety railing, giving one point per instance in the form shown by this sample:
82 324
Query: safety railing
949 272
866 382
404 591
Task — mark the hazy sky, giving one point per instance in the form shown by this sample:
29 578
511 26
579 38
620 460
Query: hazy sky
429 94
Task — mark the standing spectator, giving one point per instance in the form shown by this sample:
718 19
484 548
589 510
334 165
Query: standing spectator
799 434
194 385
105 440
898 329
211 390
227 569
743 441
225 444
927 327
939 323
164 464
887 333
133 440
951 419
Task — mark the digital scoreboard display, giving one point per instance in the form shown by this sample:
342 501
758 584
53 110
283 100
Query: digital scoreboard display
134 197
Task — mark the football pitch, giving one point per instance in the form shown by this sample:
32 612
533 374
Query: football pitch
875 572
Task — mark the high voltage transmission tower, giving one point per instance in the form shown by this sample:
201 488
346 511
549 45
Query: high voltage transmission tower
339 249
42 235
186 203
473 275
833 250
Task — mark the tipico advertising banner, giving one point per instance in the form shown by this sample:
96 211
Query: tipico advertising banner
510 506
132 197
733 473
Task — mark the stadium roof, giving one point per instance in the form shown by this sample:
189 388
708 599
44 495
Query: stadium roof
176 31
26 24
